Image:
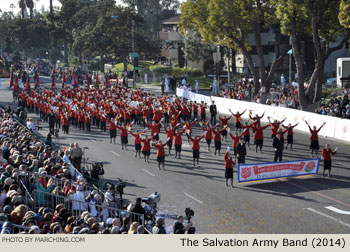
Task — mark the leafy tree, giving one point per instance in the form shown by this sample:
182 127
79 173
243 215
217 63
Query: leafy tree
153 12
316 18
344 13
229 23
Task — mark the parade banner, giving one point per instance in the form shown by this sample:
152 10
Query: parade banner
263 171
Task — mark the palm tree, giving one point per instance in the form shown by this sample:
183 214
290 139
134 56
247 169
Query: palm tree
22 6
30 5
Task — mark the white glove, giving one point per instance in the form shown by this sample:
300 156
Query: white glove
228 148
168 138
275 149
196 119
154 134
336 148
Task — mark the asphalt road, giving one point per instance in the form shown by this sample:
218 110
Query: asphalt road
295 205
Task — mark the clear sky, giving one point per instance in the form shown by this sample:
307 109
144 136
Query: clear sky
5 4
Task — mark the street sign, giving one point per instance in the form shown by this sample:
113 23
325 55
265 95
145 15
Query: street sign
290 51
138 68
133 55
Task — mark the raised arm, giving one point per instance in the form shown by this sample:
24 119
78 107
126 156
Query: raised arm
242 112
321 127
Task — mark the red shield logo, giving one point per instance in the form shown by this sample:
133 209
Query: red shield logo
246 172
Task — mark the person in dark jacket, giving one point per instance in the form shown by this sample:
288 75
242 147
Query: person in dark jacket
52 120
278 144
241 151
137 208
213 111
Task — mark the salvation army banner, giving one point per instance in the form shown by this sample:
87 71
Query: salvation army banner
263 171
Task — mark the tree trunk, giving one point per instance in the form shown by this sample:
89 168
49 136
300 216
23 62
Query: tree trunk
22 13
299 65
31 13
319 81
250 63
261 61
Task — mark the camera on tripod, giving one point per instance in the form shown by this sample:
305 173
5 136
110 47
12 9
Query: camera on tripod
120 188
189 214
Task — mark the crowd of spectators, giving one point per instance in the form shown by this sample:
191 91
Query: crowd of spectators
29 167
338 106
33 179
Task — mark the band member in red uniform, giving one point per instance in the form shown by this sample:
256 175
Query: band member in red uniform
327 154
208 134
202 108
160 153
87 119
229 163
154 129
146 148
217 139
188 126
178 142
314 145
275 126
170 136
196 148
137 142
290 133
238 119
124 135
256 119
235 140
112 130
224 124
195 110
259 136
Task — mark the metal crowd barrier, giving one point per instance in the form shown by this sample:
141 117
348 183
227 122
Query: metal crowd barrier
76 207
17 228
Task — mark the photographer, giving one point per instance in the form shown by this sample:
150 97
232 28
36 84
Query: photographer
179 227
97 170
137 208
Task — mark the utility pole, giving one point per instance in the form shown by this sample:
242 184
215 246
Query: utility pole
133 51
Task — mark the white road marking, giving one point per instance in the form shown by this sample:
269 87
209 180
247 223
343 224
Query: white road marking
334 209
150 173
194 198
92 140
319 194
115 153
342 164
329 217
186 146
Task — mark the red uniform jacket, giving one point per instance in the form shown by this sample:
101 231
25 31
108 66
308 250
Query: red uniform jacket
195 143
146 145
258 132
327 154
229 163
137 139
